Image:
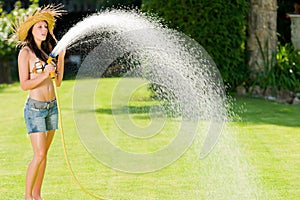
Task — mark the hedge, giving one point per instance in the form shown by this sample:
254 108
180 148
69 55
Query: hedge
218 25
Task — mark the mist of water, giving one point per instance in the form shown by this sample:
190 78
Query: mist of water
184 79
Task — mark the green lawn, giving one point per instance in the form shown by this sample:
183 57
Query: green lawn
256 158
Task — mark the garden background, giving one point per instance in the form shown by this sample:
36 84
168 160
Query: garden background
257 62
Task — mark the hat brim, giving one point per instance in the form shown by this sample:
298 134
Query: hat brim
30 21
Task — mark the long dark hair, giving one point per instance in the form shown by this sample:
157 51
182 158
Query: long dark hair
47 45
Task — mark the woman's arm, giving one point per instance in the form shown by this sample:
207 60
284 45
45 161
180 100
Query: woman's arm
60 67
23 65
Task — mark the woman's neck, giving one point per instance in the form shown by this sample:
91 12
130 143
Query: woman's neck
38 44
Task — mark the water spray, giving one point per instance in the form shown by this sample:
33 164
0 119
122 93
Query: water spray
169 59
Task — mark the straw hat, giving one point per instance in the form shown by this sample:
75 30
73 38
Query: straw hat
48 13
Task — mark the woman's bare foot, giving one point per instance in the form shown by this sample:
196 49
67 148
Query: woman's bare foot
37 197
29 198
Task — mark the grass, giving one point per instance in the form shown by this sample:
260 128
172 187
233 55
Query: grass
256 158
271 132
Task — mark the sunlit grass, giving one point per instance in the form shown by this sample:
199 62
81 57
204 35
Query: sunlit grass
257 157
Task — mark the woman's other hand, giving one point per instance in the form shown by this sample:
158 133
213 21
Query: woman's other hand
49 68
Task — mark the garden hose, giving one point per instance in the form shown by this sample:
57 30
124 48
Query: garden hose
60 125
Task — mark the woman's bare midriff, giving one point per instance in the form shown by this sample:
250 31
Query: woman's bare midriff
44 92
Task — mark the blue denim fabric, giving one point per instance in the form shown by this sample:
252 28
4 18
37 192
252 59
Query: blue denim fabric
40 116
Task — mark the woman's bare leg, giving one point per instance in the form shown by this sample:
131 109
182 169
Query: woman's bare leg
36 191
38 142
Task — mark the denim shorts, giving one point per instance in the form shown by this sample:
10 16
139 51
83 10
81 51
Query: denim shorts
40 116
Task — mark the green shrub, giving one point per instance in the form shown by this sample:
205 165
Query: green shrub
287 70
219 26
281 70
265 76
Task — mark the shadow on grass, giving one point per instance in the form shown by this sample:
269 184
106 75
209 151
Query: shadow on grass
254 110
250 110
124 110
142 111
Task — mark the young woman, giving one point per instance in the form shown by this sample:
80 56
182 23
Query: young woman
35 35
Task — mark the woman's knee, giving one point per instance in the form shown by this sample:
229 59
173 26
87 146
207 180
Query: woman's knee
40 155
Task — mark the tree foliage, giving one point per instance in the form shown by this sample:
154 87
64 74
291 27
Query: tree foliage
219 26
7 21
8 38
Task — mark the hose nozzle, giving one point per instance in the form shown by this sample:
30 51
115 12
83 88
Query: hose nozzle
51 57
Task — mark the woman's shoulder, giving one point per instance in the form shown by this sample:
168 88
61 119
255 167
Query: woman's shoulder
25 51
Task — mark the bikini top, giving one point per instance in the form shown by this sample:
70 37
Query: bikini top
39 66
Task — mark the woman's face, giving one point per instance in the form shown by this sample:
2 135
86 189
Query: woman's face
40 31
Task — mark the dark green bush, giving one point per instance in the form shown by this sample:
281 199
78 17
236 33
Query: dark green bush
218 25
